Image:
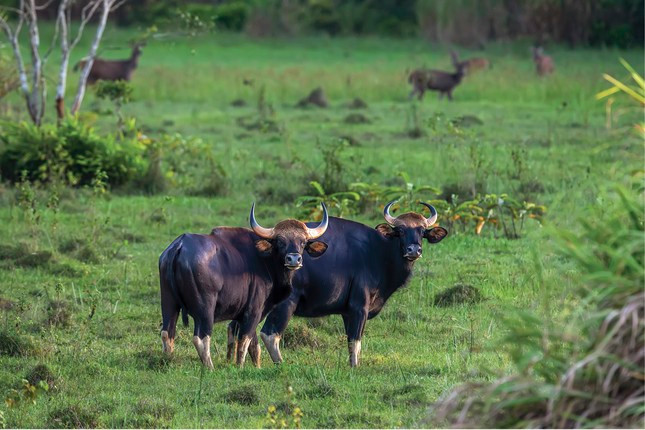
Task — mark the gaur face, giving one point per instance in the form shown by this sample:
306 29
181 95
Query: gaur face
289 239
410 229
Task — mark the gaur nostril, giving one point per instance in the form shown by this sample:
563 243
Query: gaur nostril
293 259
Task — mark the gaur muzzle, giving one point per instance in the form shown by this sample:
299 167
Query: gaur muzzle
289 238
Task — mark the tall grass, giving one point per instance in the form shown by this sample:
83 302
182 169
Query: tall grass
588 373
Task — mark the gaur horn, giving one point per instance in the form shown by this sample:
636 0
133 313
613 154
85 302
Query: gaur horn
386 213
265 233
433 214
316 232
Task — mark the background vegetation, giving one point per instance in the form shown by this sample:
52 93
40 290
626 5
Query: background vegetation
212 124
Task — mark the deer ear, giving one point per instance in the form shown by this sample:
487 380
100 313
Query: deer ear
264 247
386 230
435 235
316 249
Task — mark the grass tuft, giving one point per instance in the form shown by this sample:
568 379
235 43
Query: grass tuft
459 294
246 395
42 373
356 118
14 345
73 416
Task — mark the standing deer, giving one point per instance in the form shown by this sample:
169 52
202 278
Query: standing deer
543 63
436 80
112 70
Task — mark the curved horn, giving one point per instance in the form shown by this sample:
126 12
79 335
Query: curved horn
386 213
316 232
264 233
433 214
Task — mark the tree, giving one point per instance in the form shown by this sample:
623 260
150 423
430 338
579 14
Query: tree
34 87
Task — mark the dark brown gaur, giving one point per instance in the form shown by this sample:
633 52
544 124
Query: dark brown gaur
436 80
232 274
543 63
112 70
360 271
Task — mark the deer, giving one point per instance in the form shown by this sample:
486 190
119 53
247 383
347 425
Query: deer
112 70
475 64
437 80
543 63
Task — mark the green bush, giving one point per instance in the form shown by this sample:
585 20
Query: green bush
71 152
232 16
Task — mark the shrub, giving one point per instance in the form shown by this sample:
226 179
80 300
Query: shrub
71 152
232 15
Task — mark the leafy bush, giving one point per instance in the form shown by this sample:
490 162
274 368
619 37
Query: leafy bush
582 374
71 152
187 163
232 15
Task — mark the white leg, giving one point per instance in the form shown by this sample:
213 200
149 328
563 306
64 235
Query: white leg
272 344
203 347
242 349
167 343
354 352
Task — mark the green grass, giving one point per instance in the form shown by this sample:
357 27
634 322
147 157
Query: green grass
98 255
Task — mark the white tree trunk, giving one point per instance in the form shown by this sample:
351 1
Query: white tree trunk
82 81
64 62
37 99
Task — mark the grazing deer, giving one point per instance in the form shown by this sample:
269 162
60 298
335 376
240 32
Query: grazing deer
436 80
112 70
543 63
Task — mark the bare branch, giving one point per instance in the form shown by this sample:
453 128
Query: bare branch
86 15
12 35
82 82
44 6
117 5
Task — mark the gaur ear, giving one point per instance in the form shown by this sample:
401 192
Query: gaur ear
386 230
316 249
435 235
264 247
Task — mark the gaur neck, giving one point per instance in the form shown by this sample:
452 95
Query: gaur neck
400 270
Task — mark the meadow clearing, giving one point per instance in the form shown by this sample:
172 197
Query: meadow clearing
79 291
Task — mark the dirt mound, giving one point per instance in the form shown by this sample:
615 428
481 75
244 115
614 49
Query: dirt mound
457 295
356 118
316 97
238 103
357 103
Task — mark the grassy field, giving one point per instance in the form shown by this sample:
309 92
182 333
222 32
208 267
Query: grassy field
79 285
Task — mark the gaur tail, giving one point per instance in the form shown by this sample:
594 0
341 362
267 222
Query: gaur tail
170 278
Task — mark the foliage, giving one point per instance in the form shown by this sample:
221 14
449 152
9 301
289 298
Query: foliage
185 163
118 92
8 75
290 417
71 152
501 212
340 203
232 15
28 393
587 374
635 93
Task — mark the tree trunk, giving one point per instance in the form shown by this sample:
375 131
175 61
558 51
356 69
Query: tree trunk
82 81
64 62
36 99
